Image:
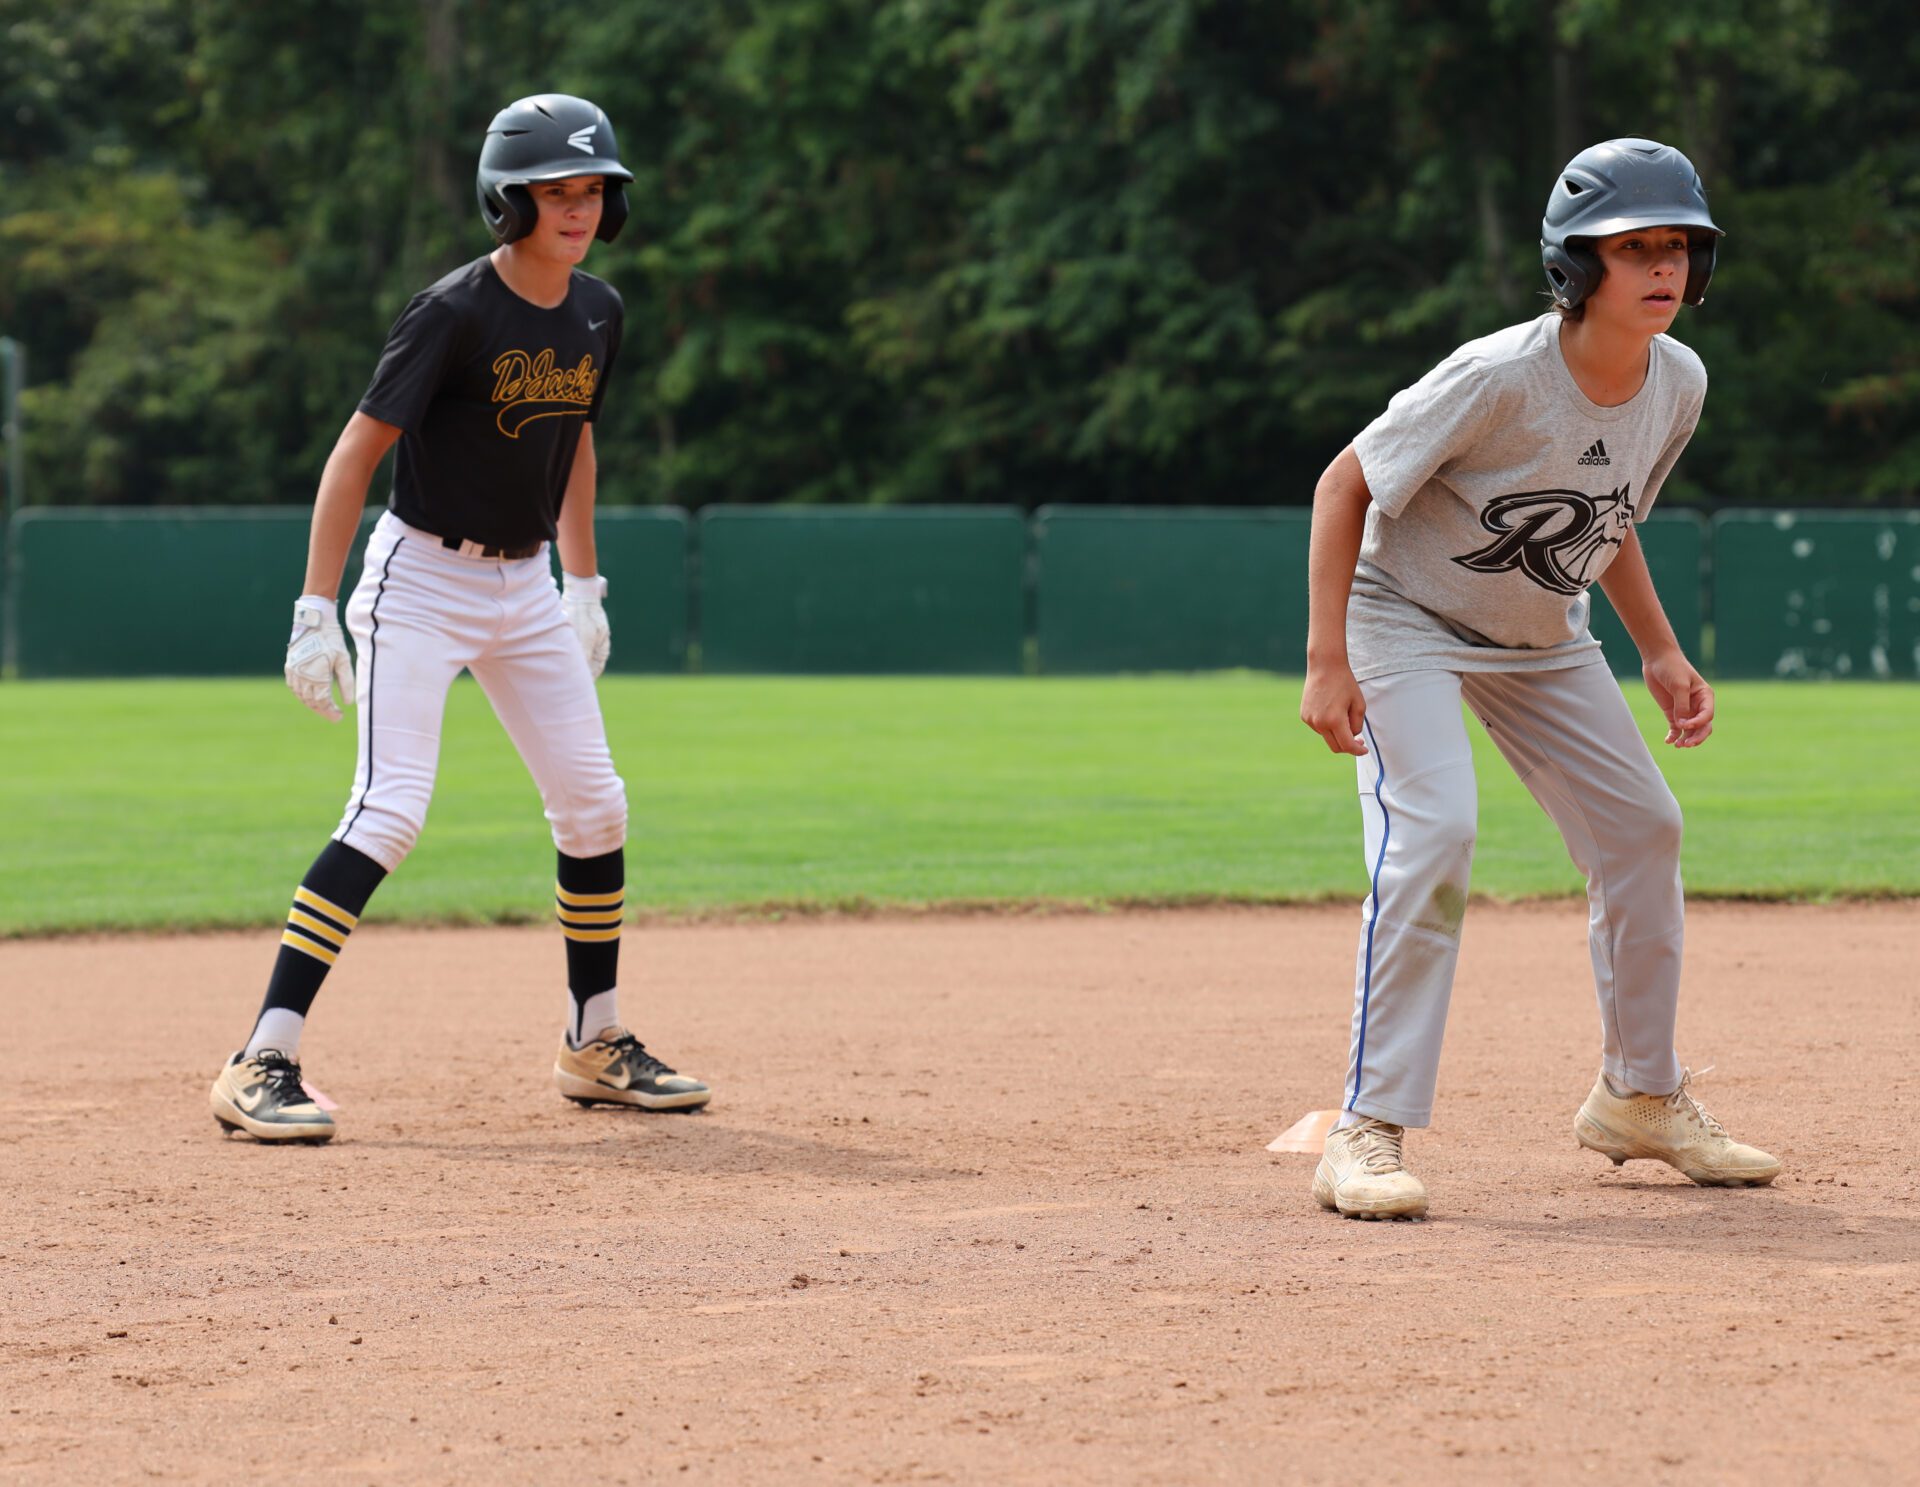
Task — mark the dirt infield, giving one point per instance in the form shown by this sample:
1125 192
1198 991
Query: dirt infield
979 1199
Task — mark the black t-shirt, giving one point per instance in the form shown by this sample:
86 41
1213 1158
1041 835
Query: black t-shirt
491 391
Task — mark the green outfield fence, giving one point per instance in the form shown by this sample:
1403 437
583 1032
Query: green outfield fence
1817 593
1676 549
1164 588
207 591
863 589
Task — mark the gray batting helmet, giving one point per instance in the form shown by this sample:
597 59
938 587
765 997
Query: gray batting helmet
1615 187
546 138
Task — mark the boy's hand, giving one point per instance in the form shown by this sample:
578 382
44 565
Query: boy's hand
581 599
1333 706
317 656
1683 695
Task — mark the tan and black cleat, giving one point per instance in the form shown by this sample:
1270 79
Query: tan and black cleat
616 1069
263 1096
1675 1129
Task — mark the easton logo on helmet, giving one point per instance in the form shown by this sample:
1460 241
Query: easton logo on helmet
582 139
1556 538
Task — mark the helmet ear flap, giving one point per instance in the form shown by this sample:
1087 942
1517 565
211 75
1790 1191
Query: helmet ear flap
613 212
508 211
520 214
1701 253
1572 271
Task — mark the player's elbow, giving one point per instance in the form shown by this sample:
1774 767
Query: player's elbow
363 443
1343 483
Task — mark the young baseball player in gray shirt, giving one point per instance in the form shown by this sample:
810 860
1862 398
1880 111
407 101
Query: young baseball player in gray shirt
1453 545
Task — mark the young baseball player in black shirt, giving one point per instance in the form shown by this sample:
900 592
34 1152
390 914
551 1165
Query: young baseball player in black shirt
490 383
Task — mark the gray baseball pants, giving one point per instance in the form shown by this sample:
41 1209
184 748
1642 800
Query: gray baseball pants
1572 741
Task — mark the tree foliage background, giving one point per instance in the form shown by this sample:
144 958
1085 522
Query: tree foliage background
947 250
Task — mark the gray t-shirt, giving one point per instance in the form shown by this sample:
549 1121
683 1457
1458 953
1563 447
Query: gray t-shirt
1500 492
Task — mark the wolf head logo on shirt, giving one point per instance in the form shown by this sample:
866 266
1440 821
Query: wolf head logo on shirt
530 388
1557 538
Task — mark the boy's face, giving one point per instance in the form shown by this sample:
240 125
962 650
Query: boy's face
1646 272
569 217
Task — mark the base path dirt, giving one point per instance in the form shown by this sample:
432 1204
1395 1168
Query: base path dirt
979 1199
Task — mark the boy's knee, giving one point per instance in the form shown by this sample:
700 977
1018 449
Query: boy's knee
1658 825
1460 831
1429 865
1452 822
385 836
593 822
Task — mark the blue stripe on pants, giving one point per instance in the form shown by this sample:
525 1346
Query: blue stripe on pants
1366 975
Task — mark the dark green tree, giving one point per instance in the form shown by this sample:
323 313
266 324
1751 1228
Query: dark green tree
935 250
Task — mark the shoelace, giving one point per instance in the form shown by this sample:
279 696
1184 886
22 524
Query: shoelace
640 1063
1681 1101
281 1075
1379 1145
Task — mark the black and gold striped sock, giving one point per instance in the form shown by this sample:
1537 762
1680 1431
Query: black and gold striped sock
589 901
326 907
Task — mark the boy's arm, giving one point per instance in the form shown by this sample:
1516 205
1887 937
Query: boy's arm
1683 694
1331 704
317 649
357 453
583 589
578 555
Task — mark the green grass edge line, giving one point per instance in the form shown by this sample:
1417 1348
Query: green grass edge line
860 907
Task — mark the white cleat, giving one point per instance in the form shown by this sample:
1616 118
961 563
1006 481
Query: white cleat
1674 1129
1363 1176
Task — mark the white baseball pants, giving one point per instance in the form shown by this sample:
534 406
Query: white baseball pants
419 616
1572 741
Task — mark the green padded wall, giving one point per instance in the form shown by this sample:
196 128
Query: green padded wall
643 553
206 590
1151 588
1675 544
159 591
209 590
1811 593
862 589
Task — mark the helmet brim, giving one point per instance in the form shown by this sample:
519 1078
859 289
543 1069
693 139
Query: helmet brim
562 170
1606 227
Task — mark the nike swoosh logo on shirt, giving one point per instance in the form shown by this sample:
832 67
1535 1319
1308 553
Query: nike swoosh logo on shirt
596 324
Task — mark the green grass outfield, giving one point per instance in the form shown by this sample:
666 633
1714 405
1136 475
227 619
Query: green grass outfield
177 803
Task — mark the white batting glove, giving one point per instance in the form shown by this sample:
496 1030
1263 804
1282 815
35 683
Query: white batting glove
581 599
317 656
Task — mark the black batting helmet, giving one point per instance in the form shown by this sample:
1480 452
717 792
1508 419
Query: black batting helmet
1615 187
546 138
